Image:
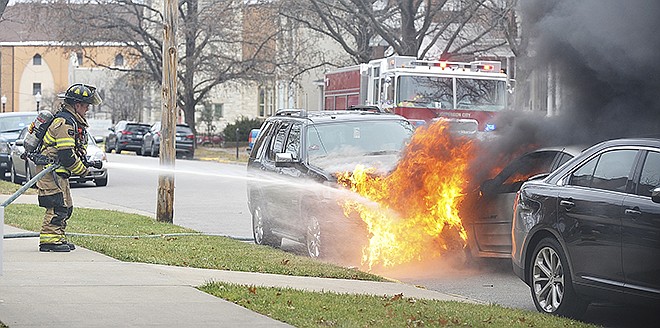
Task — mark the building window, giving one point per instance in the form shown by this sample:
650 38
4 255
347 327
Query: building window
219 110
79 55
119 60
36 60
266 101
36 88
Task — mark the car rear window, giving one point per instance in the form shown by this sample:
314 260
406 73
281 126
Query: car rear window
184 129
138 128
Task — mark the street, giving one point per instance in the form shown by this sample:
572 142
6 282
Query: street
211 197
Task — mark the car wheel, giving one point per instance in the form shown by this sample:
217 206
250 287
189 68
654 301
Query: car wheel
261 231
143 150
107 147
12 174
117 149
139 151
551 284
101 182
313 241
153 151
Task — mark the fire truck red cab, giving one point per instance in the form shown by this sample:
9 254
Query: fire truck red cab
471 93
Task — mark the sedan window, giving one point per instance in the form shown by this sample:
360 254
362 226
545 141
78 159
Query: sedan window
650 178
611 171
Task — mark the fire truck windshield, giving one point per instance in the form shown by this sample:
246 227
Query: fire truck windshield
437 92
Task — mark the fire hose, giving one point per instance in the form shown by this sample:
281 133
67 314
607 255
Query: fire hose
29 184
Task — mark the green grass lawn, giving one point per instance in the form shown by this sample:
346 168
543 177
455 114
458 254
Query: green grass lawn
136 238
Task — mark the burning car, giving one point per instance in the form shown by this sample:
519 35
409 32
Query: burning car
293 168
489 208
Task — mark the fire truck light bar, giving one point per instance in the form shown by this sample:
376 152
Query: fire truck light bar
477 66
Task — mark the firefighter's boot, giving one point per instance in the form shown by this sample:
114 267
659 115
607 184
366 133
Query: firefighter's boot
54 248
71 245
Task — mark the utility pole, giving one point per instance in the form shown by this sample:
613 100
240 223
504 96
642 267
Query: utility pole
165 202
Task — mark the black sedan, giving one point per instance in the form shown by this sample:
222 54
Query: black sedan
591 230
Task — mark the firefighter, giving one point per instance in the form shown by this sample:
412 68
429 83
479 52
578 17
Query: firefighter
65 145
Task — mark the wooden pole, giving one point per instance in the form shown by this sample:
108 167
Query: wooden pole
165 203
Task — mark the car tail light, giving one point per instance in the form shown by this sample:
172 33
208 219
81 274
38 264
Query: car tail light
125 132
190 136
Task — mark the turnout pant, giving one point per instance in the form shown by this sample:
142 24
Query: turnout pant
55 196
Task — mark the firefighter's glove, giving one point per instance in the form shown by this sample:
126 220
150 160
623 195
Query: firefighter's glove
97 164
62 172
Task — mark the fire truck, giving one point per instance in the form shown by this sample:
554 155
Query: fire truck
468 94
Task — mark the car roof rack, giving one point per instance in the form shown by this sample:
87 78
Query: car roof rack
367 108
291 112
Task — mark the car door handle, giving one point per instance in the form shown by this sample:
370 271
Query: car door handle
566 203
633 212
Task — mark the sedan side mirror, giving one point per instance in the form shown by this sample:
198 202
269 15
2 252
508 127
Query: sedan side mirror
19 142
655 195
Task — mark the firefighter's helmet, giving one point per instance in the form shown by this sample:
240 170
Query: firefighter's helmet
82 93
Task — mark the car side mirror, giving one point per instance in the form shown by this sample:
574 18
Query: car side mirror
111 129
284 160
19 142
98 139
655 195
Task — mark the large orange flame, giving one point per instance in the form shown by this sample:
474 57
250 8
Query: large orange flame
414 214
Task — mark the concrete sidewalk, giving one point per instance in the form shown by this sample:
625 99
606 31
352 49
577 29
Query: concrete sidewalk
88 289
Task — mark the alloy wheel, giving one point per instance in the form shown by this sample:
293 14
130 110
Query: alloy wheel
548 279
258 226
313 237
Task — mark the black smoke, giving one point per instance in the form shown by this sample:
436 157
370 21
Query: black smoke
607 56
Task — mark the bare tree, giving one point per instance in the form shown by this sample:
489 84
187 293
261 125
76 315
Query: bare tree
441 28
213 45
3 5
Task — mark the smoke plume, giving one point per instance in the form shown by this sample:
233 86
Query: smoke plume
606 55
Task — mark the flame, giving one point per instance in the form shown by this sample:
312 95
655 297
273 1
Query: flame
413 213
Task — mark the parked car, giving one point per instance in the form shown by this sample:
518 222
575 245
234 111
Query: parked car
252 137
489 208
11 125
184 141
126 136
591 229
295 158
23 169
216 140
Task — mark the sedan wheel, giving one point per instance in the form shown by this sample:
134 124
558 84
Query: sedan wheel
551 285
313 237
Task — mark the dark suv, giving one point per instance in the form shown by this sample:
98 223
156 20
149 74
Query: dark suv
591 229
293 166
126 136
184 141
